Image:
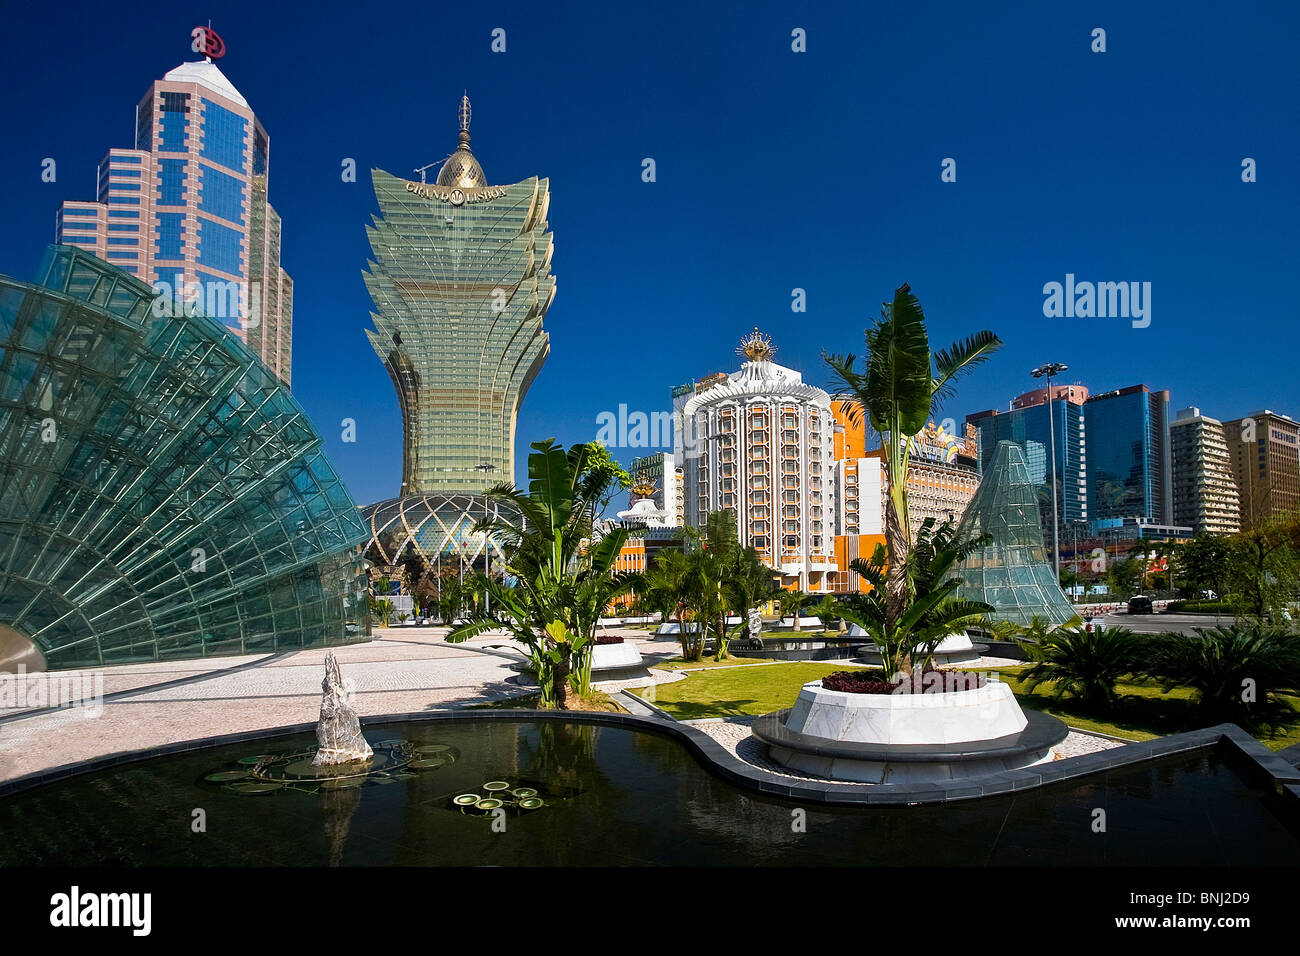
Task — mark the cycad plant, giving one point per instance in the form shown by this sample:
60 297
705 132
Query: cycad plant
901 386
932 612
563 575
1237 671
1086 664
383 610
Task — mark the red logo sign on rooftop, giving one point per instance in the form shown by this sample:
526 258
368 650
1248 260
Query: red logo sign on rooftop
208 42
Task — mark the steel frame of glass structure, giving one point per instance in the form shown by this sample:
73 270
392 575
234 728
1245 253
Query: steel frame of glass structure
1012 572
162 495
438 530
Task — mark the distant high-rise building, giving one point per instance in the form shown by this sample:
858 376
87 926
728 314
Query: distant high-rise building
187 207
1127 444
758 443
1265 451
1205 495
661 474
1026 424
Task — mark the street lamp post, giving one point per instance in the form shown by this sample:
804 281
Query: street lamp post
486 467
1048 371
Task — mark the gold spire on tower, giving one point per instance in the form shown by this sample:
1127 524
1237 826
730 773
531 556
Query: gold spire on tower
644 486
757 347
461 168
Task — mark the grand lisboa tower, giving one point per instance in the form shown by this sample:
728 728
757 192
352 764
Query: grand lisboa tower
460 280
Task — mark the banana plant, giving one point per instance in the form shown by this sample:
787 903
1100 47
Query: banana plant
562 571
901 386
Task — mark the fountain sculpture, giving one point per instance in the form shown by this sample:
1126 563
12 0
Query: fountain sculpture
339 730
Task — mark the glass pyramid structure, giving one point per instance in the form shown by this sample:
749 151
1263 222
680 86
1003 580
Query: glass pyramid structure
1012 573
162 494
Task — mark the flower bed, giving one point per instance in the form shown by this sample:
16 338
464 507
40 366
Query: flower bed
931 682
604 639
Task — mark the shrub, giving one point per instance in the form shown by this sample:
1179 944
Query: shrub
1235 670
1085 663
602 639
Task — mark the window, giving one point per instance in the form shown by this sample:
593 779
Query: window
171 235
221 194
171 182
219 247
175 123
223 136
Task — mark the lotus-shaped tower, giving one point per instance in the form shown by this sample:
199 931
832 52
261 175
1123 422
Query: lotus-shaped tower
460 280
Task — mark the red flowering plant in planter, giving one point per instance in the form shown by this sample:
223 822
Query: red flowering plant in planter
932 681
603 639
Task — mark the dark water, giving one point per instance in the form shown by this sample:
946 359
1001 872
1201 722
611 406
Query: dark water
618 796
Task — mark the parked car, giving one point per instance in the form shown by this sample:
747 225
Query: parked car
1140 604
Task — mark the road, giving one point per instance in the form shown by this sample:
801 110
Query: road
1159 623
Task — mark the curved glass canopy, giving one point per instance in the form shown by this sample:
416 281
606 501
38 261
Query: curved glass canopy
162 495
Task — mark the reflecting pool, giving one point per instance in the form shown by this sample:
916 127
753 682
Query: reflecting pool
558 793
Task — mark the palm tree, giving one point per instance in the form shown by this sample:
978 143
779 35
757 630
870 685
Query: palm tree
564 579
932 613
1236 670
1087 664
792 602
747 582
900 388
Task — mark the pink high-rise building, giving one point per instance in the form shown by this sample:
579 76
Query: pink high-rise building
186 210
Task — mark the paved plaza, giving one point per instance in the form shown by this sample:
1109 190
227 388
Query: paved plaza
403 670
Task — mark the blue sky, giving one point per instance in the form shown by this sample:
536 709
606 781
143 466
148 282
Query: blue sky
775 171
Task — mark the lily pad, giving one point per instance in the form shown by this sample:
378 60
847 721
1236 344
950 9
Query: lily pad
493 786
531 803
225 776
488 803
427 763
254 786
467 799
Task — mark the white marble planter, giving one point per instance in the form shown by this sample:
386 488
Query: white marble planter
940 718
873 738
615 657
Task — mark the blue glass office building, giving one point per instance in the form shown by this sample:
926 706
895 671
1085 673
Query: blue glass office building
1128 455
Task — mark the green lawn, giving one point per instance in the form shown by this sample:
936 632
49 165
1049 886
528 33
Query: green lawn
737 691
681 664
1143 711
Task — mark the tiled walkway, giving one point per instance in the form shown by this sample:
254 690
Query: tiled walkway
145 705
